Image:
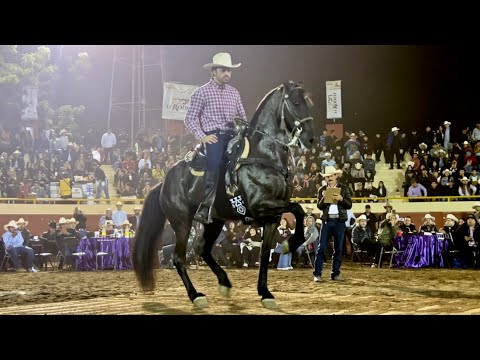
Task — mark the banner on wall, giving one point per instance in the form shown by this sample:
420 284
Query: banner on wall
334 99
176 100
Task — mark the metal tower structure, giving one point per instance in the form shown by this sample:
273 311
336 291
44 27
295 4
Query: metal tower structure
133 65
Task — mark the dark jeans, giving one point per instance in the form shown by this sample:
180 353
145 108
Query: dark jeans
22 250
337 229
216 152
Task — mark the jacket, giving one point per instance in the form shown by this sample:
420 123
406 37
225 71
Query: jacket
343 205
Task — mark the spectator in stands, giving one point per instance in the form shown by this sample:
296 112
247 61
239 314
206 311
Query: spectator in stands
465 189
38 190
416 189
101 183
381 190
14 246
284 232
108 142
250 247
394 147
129 191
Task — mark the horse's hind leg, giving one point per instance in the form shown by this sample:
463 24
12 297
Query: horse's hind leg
268 300
182 232
204 247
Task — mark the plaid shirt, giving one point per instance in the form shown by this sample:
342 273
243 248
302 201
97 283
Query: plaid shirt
212 107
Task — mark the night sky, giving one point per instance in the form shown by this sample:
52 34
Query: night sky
385 86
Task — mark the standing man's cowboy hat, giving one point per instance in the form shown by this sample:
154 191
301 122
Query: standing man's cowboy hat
221 60
331 170
395 129
452 217
12 223
447 123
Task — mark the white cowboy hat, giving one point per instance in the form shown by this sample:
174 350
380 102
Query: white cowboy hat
352 135
423 144
428 216
62 221
447 123
72 220
328 154
17 152
318 221
22 221
466 142
119 203
126 222
331 170
137 208
12 223
465 179
452 217
395 129
444 171
221 60
361 217
309 207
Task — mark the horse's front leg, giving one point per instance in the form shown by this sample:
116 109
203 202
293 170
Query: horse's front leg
298 238
204 247
268 300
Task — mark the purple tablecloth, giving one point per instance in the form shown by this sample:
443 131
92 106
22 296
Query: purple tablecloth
420 251
91 246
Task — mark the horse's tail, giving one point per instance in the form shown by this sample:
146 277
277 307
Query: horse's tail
151 225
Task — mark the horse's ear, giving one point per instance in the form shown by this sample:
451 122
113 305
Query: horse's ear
288 85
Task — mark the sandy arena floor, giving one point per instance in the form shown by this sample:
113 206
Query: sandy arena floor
365 291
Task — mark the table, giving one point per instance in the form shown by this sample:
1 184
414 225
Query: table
420 251
91 246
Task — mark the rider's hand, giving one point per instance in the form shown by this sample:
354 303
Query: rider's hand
209 139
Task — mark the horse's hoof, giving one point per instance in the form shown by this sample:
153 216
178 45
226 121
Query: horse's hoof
225 291
285 247
270 303
200 302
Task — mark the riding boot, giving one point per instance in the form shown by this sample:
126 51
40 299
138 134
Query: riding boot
203 214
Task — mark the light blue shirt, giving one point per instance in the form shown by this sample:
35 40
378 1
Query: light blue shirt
108 140
10 240
118 217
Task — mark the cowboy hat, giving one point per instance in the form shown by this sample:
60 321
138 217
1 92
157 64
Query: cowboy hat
465 179
318 221
126 222
388 205
62 221
476 205
331 170
309 207
22 221
119 203
428 216
137 208
444 171
72 220
395 129
361 217
466 142
12 223
447 123
17 152
452 217
221 60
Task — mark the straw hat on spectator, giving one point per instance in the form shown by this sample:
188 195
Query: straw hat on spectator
12 223
119 203
22 221
428 216
447 123
310 207
62 221
465 179
476 205
318 221
452 217
137 207
72 220
395 129
361 217
423 145
16 152
126 223
388 205
466 142
445 171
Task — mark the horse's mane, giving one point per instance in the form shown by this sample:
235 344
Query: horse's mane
262 104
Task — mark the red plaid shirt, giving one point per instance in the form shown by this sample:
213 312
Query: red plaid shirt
212 106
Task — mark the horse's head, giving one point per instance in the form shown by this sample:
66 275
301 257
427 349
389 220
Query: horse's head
295 116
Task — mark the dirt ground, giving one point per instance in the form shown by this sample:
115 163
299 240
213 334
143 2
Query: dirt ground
365 291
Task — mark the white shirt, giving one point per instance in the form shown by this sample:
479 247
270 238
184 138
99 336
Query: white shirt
108 140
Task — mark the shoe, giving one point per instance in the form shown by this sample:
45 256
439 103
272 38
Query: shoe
290 268
317 279
282 268
33 270
245 265
338 278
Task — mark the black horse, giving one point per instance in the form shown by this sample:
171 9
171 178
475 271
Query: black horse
282 121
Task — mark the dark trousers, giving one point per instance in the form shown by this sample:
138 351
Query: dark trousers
337 229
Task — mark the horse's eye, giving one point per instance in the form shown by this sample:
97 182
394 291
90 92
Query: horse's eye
296 103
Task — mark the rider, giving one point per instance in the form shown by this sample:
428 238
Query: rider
213 107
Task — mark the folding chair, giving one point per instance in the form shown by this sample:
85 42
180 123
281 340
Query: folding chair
392 253
359 254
